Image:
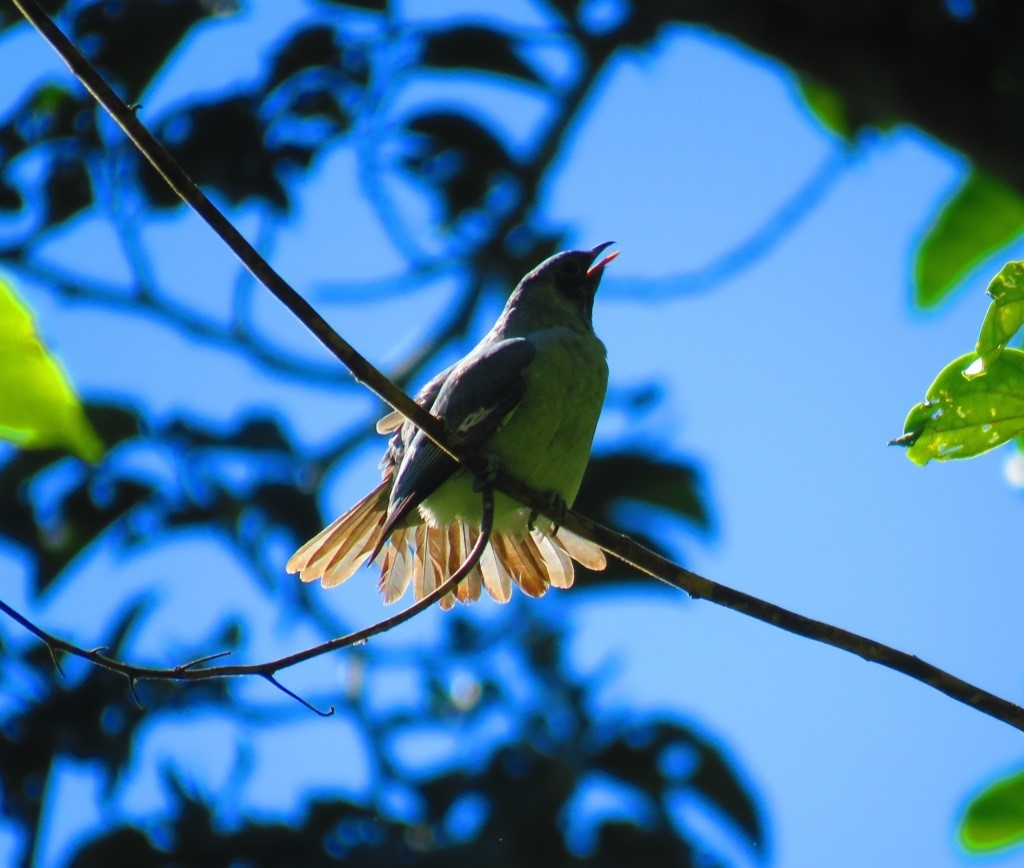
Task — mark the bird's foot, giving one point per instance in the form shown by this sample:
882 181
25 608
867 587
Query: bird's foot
490 473
556 505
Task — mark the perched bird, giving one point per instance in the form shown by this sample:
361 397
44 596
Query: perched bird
529 395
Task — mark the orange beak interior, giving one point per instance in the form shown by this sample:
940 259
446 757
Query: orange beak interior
599 265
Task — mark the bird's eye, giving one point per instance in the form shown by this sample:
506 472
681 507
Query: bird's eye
570 269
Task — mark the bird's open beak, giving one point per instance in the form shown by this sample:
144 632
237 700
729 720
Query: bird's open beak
598 267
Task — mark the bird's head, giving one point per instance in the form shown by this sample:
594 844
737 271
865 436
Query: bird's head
564 285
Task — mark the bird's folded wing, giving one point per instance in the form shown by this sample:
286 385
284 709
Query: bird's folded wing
475 400
425 398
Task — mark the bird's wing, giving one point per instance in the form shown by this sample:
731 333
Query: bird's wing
476 399
425 398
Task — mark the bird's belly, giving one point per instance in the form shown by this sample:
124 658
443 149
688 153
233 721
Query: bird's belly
546 441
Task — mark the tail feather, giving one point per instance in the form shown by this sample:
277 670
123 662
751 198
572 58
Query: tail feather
424 556
343 557
495 576
399 566
520 565
348 558
438 541
312 557
450 545
469 588
391 422
558 563
420 559
583 551
535 560
507 557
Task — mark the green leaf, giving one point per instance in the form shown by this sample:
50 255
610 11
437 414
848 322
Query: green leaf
963 417
38 407
1005 315
981 217
994 819
827 106
132 41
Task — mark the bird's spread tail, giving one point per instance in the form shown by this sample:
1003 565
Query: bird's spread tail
337 551
425 556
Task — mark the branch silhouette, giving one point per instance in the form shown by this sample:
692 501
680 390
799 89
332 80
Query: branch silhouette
619 545
196 670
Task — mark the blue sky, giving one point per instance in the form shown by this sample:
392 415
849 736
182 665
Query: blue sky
785 381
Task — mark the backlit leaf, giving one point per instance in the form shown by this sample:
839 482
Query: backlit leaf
1005 315
963 417
38 407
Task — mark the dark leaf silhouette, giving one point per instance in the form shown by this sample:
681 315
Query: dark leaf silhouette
477 48
10 198
458 157
9 15
309 48
68 191
131 41
616 481
369 5
222 145
113 422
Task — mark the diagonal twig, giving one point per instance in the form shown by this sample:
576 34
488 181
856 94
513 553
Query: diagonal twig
195 670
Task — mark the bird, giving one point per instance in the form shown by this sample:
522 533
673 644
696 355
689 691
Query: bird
528 396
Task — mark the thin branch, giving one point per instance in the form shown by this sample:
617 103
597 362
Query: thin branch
646 561
287 692
192 670
616 544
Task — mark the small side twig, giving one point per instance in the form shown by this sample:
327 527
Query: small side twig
193 670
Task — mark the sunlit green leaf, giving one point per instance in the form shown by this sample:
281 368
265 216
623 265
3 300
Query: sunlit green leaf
963 417
983 215
38 408
994 819
1005 315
